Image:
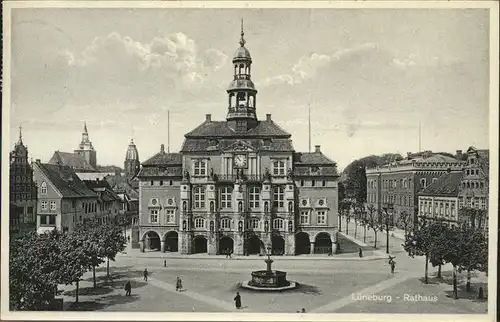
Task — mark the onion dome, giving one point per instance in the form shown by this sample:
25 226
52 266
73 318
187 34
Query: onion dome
132 153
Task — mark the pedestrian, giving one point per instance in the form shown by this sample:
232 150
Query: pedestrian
128 238
230 252
360 252
393 265
303 310
128 289
178 284
227 252
237 300
146 274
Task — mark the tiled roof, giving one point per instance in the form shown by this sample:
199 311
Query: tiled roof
437 158
222 129
65 180
72 160
200 144
321 171
162 158
446 185
158 172
121 184
313 158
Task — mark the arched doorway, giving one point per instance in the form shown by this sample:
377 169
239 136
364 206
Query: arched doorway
302 243
254 245
152 241
199 244
278 245
322 244
225 244
171 241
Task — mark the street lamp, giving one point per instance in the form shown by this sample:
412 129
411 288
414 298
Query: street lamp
387 208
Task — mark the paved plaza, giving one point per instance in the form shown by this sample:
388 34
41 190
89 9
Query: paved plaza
339 284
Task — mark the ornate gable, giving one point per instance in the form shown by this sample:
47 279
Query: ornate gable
239 146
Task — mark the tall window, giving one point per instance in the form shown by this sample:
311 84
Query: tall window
199 197
200 167
254 197
170 216
279 167
254 223
199 223
304 217
43 188
52 205
153 216
225 197
44 205
423 183
321 217
278 223
225 223
278 197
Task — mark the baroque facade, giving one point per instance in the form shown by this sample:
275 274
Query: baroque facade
396 185
238 185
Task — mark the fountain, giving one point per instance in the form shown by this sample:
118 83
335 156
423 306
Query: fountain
269 280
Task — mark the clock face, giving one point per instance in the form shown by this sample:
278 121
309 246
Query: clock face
240 160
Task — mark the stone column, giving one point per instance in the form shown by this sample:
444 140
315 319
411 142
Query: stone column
334 247
163 244
212 245
238 244
312 248
141 245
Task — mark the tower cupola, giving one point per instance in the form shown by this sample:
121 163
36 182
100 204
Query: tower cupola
242 94
132 164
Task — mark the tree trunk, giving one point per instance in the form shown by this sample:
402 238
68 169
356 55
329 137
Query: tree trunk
455 288
355 229
426 276
340 223
467 286
387 239
93 274
364 234
439 271
375 232
107 269
77 289
347 226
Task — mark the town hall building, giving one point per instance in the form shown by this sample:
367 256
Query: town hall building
238 185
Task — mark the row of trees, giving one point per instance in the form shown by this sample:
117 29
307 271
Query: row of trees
464 246
39 263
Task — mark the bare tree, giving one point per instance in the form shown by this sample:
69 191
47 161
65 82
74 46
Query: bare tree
372 221
405 219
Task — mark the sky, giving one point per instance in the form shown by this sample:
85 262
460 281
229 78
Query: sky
369 77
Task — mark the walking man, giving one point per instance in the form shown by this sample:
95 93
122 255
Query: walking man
360 252
146 275
393 265
237 300
178 284
128 289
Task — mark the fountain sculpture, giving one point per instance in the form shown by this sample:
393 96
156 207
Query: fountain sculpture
269 280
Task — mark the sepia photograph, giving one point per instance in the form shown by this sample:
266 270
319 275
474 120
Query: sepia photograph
280 161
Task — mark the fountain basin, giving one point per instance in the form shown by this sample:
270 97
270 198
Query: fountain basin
269 280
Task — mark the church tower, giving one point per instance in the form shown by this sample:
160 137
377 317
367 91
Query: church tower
242 94
86 149
132 164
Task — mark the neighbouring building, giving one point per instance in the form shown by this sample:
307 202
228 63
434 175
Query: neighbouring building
394 186
83 159
64 200
439 201
238 185
23 191
474 188
109 204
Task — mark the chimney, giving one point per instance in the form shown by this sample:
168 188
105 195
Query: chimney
317 148
408 155
427 154
208 117
268 117
162 148
459 154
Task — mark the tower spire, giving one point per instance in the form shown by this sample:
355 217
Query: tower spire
85 127
242 40
20 134
309 128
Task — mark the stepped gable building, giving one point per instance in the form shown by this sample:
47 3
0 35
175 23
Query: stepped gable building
23 191
394 186
83 159
132 164
474 188
63 199
238 185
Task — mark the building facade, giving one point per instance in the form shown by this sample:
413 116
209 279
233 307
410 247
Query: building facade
474 188
23 191
395 186
238 185
109 204
64 200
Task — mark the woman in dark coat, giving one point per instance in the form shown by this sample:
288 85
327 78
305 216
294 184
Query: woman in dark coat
128 289
237 300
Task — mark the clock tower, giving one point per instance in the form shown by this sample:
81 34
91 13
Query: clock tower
242 94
